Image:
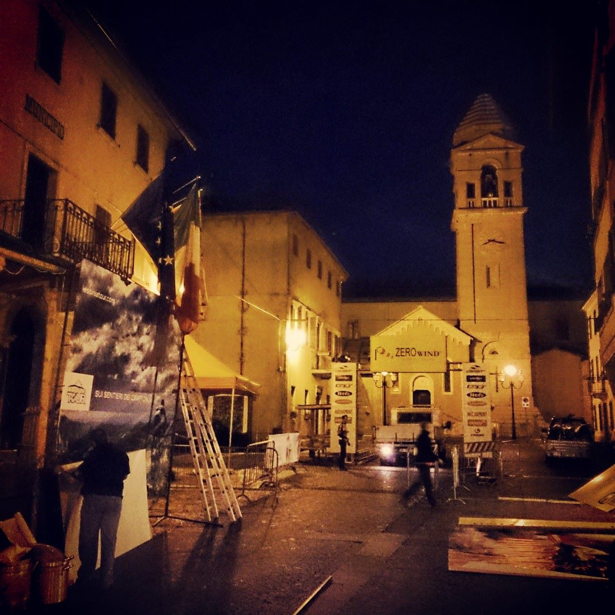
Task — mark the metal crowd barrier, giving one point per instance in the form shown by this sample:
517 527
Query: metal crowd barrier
259 465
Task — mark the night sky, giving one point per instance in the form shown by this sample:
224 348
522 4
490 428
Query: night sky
345 111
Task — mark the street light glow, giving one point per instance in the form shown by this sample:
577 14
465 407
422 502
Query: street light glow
511 371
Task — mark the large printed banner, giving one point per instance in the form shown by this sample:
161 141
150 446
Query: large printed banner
343 402
121 372
419 350
476 404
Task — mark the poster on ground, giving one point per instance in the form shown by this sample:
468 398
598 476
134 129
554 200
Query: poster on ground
553 553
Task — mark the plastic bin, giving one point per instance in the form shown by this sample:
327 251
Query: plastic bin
51 581
15 584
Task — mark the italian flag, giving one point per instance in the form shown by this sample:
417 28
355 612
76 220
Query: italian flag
189 284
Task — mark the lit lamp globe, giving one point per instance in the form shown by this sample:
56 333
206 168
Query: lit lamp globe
511 371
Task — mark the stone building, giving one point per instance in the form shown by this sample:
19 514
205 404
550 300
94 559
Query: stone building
81 136
273 313
490 323
599 305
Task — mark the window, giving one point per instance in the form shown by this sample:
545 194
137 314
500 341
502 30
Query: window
508 189
329 279
320 270
50 45
142 148
492 274
102 224
308 258
108 110
470 194
447 383
295 241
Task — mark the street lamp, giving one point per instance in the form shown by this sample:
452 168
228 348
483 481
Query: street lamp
384 380
511 371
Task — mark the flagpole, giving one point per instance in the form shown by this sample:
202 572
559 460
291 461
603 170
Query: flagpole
179 382
189 183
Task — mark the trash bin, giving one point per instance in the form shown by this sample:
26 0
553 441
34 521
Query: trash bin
15 584
51 581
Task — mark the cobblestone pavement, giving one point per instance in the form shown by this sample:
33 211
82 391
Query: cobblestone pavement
352 532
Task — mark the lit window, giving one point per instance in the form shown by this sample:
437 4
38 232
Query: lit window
50 45
108 110
142 148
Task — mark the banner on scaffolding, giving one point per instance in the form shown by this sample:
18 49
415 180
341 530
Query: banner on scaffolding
111 379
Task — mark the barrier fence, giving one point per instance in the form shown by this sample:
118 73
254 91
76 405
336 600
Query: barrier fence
258 465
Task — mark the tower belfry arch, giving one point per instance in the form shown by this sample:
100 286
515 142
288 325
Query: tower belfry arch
488 220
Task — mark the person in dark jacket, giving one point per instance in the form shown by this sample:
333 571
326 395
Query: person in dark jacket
424 459
342 434
103 472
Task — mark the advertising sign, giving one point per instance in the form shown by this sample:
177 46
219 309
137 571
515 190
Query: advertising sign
343 402
475 404
419 350
121 371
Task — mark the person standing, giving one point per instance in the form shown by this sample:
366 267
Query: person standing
103 472
342 434
424 459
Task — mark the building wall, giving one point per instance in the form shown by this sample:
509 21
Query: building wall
258 288
562 391
57 120
599 306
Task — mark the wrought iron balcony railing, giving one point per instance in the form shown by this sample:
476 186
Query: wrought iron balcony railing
63 230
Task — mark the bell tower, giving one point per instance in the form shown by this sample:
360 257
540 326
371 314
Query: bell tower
490 256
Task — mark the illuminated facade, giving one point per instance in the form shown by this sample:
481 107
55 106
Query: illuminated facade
273 311
80 137
490 323
599 306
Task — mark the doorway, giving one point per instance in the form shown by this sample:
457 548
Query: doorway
16 385
39 186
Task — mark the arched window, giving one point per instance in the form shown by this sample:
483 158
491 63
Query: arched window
488 182
422 391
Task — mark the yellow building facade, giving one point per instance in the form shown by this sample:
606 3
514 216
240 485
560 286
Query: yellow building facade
490 323
599 306
81 136
273 311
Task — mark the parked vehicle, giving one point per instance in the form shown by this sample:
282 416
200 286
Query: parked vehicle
568 437
395 441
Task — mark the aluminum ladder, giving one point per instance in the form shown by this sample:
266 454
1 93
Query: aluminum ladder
207 458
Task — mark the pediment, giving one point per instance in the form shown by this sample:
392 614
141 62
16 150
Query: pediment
489 141
422 318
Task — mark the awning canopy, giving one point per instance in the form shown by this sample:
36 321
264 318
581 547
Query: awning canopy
214 375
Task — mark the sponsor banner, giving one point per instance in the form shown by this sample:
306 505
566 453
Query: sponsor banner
343 402
475 404
419 350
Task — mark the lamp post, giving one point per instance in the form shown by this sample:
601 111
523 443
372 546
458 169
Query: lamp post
511 371
384 380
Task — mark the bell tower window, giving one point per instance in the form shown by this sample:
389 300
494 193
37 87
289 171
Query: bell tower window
471 194
489 186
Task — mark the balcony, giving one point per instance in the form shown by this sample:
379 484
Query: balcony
62 230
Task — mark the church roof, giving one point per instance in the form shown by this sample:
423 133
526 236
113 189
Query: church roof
484 117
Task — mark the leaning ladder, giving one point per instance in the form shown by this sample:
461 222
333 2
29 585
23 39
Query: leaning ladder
207 458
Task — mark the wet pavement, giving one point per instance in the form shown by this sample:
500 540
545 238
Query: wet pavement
351 533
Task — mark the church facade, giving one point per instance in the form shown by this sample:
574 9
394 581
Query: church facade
490 326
